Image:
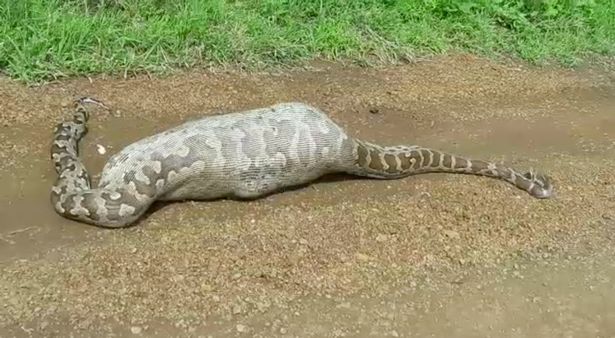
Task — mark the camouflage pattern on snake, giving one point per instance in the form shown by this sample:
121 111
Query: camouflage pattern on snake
242 155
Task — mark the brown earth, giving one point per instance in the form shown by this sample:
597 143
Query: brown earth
430 255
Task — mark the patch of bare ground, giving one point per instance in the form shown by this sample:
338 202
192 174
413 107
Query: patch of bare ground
427 255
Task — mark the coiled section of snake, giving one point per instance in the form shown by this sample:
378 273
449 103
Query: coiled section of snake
72 195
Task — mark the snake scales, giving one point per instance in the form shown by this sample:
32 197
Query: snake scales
239 155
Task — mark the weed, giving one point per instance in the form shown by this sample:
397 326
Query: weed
42 39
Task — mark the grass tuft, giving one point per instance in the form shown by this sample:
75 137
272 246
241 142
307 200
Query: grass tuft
44 39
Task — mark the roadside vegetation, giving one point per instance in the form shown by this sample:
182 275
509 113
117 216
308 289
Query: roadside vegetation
46 39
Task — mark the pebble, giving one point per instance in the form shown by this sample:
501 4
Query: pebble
451 234
136 330
382 238
241 328
362 257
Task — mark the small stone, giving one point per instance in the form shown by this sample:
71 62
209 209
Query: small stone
283 330
136 330
241 328
51 310
382 238
394 333
262 306
451 234
362 257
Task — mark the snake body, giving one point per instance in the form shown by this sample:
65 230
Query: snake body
241 155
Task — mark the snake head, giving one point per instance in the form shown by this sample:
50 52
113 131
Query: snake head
541 185
89 100
81 114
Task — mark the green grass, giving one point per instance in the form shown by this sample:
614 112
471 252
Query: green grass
43 39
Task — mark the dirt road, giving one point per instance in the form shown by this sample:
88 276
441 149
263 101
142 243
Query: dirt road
430 255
